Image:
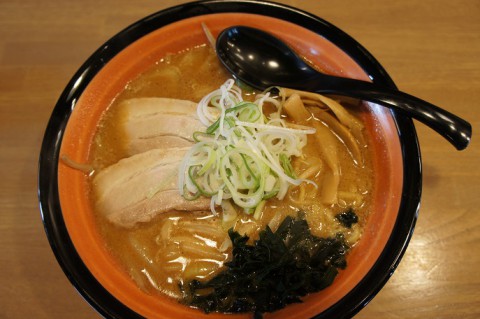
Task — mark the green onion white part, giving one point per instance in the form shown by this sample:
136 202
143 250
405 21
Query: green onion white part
242 155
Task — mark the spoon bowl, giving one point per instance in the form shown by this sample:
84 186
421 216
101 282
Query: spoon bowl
261 60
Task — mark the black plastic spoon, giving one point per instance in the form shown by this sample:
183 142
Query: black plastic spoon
261 60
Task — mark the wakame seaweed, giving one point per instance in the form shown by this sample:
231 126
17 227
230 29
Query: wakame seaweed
278 269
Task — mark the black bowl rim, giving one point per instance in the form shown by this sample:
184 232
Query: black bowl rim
72 265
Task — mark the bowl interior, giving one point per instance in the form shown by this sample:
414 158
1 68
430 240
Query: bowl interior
138 57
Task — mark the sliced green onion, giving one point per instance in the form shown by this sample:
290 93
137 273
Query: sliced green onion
243 155
287 165
202 136
193 175
189 196
249 168
212 128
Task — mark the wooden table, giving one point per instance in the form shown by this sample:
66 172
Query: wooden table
431 48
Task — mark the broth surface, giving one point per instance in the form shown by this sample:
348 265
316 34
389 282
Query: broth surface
179 246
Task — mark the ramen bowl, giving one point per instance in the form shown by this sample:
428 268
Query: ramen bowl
63 192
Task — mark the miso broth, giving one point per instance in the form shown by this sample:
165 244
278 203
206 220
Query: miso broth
178 246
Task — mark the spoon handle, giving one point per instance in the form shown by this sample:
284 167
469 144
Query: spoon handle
454 129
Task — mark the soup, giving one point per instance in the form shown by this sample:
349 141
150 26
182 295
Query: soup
164 250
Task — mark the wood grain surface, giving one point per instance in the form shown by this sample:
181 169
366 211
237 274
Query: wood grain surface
431 48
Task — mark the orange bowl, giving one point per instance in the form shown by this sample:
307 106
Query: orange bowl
63 191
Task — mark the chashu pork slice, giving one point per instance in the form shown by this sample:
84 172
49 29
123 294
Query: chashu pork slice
139 187
153 122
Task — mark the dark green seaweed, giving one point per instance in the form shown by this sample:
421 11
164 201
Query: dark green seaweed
347 218
278 269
